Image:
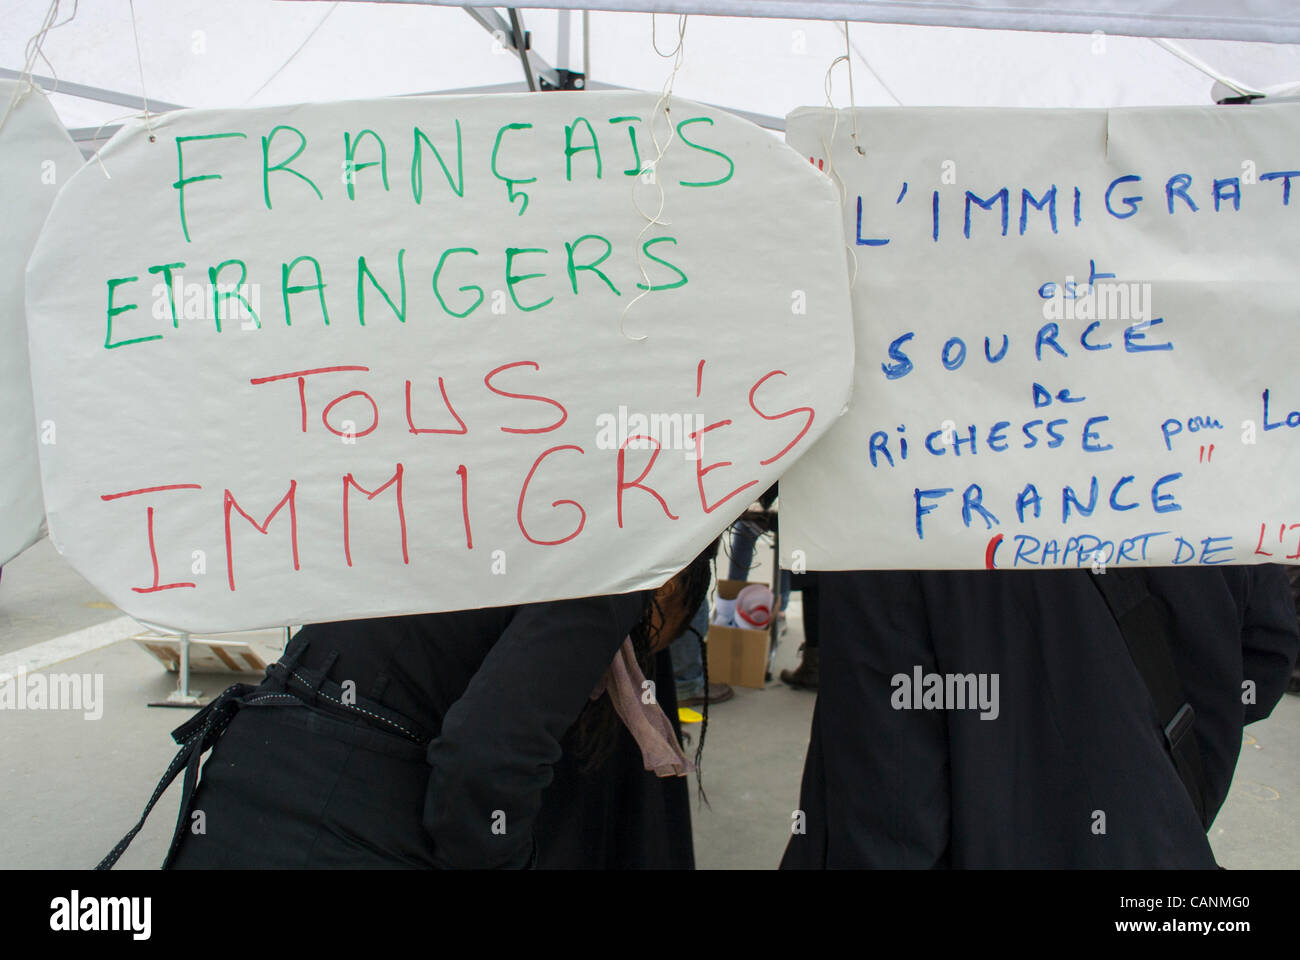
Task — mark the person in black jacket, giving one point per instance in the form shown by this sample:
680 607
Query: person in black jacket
417 741
1060 760
604 810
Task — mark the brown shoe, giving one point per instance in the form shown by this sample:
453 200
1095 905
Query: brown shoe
718 693
806 675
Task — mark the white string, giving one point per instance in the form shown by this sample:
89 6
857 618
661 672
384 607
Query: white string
827 149
867 63
95 139
144 97
134 113
835 125
853 104
664 102
654 37
302 46
39 47
31 52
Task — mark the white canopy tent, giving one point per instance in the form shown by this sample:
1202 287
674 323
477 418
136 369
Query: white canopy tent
256 52
101 62
1246 20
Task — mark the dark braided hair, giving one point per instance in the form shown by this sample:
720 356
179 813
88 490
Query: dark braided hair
698 576
595 734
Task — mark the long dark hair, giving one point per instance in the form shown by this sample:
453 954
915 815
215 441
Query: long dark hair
597 730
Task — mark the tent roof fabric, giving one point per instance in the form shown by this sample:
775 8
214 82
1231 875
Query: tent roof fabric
261 52
1275 21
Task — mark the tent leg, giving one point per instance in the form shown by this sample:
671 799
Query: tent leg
520 40
773 627
183 696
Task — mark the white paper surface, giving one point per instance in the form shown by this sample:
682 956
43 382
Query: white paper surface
506 423
36 157
1141 436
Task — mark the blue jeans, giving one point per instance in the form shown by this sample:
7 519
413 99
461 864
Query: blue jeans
688 666
743 537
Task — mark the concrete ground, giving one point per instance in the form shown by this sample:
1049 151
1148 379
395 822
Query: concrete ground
71 786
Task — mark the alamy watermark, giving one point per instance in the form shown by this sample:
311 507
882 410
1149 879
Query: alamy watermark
75 913
53 691
1104 300
946 691
641 431
223 302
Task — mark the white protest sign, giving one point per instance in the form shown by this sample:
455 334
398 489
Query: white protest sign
1076 341
36 157
355 359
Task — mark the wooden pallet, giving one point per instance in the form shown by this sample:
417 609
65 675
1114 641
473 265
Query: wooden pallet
207 654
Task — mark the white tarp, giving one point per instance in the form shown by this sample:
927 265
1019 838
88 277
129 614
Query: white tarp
1263 20
36 157
352 444
1075 341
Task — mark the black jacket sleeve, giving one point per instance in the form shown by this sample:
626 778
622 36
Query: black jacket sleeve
500 740
875 788
1269 638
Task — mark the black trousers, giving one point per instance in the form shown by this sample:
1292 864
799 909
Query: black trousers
292 786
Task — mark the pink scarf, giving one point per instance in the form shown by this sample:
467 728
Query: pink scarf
647 722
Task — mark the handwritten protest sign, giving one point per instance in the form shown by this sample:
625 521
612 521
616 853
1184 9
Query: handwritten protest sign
36 156
353 359
1076 336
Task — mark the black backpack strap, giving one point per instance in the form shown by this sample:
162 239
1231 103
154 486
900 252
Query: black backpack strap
195 736
1142 621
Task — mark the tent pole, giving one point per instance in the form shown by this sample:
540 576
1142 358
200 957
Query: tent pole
51 85
562 29
493 23
520 40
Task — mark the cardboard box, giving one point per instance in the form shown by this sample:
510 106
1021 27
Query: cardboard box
737 656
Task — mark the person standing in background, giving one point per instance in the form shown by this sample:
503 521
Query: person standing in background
607 809
807 676
1055 754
